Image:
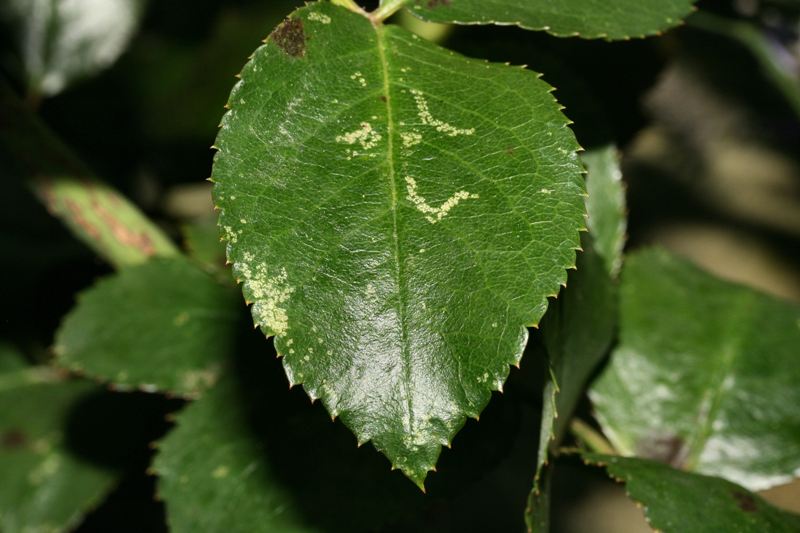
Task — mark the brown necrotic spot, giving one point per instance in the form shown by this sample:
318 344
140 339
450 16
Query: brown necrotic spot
12 439
291 37
745 501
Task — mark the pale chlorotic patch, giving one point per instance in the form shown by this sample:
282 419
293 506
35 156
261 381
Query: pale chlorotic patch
231 235
319 17
199 379
269 293
426 117
365 135
359 78
45 470
220 472
411 138
434 214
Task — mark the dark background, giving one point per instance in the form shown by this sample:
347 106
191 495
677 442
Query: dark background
710 157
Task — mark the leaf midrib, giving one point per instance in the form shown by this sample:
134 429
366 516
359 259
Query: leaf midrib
380 32
717 389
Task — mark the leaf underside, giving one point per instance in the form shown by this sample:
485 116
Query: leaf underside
608 19
675 501
398 215
705 376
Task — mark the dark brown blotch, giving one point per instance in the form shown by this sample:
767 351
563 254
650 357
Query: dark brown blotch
13 439
745 501
668 449
291 37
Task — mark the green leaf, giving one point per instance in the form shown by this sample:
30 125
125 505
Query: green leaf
202 243
398 215
580 325
95 213
611 19
705 376
61 42
577 330
46 487
606 205
11 359
245 459
676 502
213 474
165 325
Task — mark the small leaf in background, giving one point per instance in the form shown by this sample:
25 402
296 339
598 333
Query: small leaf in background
580 325
66 40
675 501
613 19
248 457
214 474
398 215
165 325
94 212
606 205
10 359
705 376
45 485
202 243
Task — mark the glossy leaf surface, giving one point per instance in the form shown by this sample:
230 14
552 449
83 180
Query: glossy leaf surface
579 326
705 376
606 205
398 215
675 501
45 485
69 39
165 325
609 19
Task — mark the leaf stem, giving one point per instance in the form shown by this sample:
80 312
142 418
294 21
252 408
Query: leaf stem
593 440
351 5
94 212
386 10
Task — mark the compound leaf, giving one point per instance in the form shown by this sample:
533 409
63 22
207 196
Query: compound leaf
165 325
398 215
705 376
609 19
675 501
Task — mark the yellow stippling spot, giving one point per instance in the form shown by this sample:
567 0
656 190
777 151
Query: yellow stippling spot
365 135
424 112
319 17
435 214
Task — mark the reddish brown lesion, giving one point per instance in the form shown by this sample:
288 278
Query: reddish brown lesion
13 439
77 216
123 234
745 501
